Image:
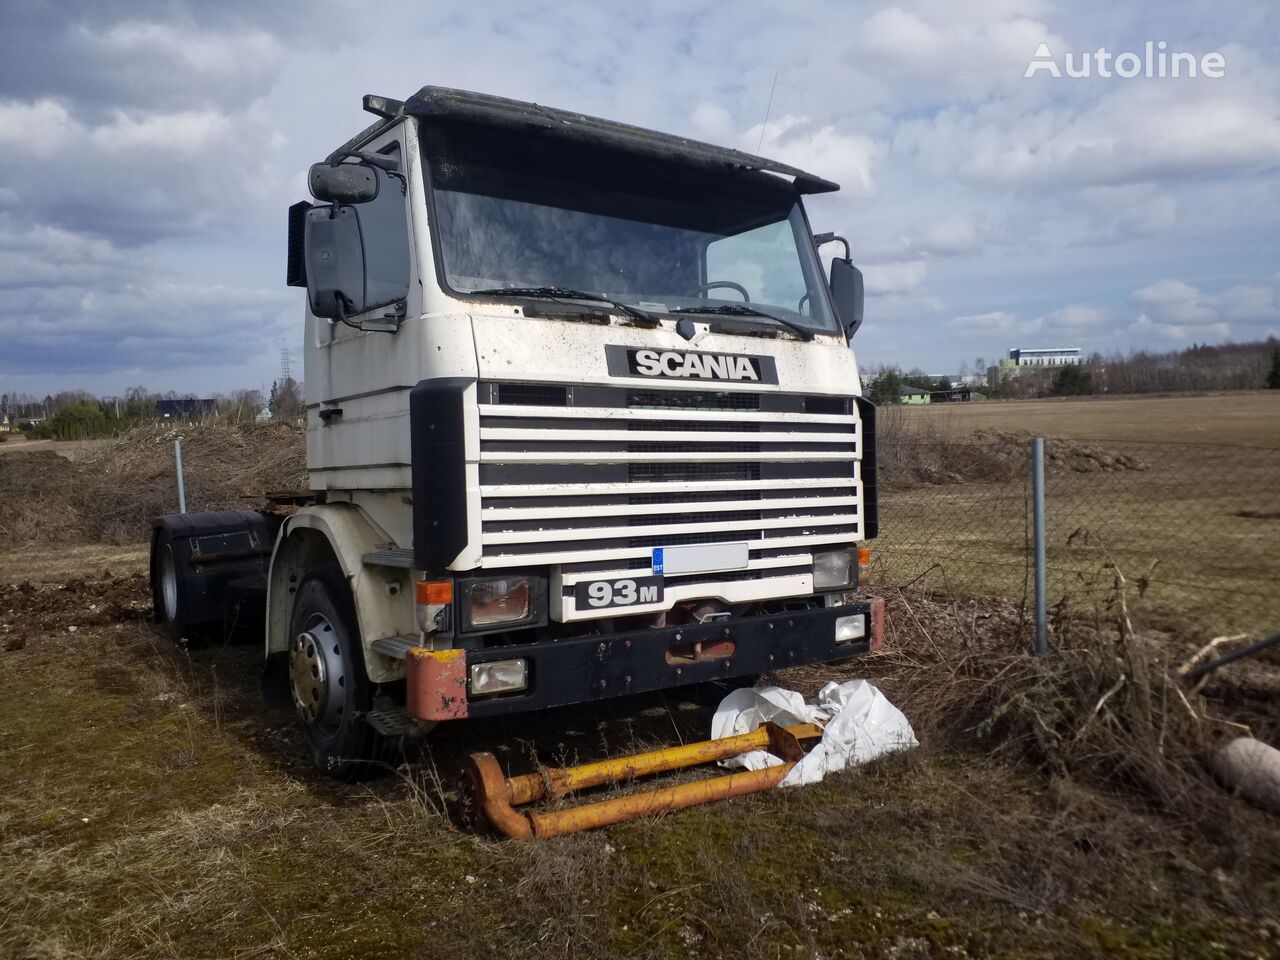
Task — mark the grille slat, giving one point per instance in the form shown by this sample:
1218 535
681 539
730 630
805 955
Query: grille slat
596 488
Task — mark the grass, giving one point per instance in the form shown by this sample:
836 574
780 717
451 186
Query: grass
155 808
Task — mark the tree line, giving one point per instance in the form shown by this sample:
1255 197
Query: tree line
79 415
1200 367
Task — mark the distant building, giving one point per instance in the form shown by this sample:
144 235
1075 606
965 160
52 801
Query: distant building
187 408
911 394
1045 356
6 425
955 395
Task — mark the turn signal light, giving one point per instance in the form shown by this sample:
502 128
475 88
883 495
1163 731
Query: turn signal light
434 592
864 556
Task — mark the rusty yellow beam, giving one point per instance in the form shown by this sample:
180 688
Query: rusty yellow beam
555 782
496 796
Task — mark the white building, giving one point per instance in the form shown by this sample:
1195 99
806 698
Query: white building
1045 356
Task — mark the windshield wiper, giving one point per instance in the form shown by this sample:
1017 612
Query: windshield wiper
568 293
742 310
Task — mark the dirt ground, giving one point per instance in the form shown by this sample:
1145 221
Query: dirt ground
155 807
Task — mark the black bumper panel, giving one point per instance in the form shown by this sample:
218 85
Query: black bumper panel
597 668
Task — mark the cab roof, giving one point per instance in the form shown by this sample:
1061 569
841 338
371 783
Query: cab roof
432 104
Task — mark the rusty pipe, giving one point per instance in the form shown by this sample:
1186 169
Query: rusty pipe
605 812
555 782
495 795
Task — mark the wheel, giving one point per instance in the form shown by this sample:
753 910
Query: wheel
167 598
327 682
729 284
165 587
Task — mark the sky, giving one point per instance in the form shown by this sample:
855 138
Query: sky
149 152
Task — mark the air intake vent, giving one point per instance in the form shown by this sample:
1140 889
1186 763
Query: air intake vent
836 405
531 394
693 400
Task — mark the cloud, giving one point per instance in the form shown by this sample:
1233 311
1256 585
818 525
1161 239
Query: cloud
894 278
1180 311
1121 132
950 235
148 151
987 324
1074 320
818 148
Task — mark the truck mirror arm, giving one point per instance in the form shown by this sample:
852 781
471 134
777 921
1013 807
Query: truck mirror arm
820 238
389 322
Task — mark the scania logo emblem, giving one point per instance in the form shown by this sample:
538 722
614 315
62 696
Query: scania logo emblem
657 364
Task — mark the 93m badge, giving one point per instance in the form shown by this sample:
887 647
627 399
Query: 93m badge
628 592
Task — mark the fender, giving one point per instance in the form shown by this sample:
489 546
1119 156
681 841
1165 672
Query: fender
341 533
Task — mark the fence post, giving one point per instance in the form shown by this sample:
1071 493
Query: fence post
182 488
1037 508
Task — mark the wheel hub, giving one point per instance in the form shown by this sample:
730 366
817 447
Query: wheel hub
316 674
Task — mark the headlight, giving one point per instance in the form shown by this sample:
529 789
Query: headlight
493 602
852 627
832 569
500 676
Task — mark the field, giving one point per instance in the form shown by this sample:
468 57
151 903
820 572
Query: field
1180 493
1248 418
155 807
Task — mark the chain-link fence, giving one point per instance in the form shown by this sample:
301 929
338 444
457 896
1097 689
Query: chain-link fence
1194 529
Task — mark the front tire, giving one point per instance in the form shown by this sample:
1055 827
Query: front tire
329 688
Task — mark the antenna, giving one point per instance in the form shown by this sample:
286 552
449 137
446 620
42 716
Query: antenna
286 363
768 107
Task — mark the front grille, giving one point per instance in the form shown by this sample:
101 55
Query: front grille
691 472
593 479
692 400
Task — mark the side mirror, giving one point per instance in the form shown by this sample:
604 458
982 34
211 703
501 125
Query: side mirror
847 295
343 182
333 252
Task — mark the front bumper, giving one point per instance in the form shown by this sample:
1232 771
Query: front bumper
596 668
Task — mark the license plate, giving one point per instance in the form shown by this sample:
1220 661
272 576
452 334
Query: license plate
700 558
626 592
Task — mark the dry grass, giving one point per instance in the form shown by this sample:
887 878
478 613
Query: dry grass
1241 417
1192 521
1059 806
108 492
156 809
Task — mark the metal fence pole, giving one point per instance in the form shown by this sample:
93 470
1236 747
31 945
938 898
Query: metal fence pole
1037 507
182 487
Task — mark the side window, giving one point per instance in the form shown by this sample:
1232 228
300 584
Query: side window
764 261
384 228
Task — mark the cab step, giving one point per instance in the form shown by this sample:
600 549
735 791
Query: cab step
400 559
395 647
393 722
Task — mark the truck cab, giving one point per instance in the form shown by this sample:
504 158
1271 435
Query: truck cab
583 420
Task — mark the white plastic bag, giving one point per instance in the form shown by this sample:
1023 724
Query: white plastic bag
861 724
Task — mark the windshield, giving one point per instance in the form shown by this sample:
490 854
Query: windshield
539 212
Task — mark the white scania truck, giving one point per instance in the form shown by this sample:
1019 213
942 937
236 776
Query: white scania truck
582 421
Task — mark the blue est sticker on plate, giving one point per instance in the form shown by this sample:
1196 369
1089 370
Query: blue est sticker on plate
657 559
